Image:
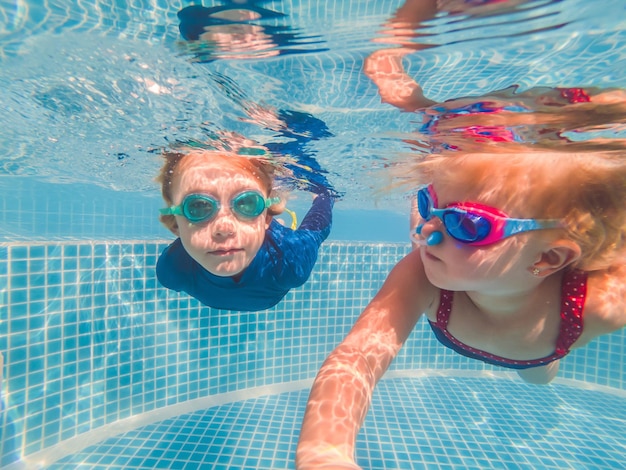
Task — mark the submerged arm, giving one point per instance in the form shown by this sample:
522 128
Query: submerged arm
300 249
342 390
320 217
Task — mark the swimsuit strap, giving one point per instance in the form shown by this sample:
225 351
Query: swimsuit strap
573 293
445 307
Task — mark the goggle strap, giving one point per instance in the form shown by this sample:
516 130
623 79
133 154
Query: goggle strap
514 226
172 210
294 218
271 201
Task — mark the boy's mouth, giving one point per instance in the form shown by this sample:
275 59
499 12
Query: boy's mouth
225 252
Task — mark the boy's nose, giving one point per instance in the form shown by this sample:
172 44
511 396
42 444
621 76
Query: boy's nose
224 224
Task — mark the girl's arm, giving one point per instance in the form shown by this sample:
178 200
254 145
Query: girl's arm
385 66
341 393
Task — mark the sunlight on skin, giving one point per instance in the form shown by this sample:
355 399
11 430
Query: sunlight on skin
336 410
342 391
507 295
226 244
500 305
241 41
347 377
395 86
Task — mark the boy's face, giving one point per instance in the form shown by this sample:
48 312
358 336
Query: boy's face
226 244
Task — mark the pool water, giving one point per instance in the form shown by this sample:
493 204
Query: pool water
103 368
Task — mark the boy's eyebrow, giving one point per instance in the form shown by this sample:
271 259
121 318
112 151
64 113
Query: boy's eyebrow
211 192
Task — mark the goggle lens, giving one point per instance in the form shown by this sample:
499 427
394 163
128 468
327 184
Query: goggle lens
249 204
197 208
424 203
465 226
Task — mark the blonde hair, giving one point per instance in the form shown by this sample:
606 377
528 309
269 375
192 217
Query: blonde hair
587 191
258 167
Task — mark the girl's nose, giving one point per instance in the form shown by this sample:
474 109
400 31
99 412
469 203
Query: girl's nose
429 233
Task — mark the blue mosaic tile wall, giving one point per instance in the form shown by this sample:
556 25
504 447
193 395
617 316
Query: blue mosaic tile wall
88 337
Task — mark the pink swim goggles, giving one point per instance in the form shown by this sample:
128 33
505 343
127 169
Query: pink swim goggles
475 224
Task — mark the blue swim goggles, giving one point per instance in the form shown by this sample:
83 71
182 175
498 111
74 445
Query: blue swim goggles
198 208
473 223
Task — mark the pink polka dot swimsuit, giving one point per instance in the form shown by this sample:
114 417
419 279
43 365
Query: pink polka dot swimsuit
573 293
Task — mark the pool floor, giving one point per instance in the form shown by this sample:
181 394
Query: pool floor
424 422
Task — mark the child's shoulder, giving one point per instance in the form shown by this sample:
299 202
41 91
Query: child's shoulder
605 306
279 234
292 245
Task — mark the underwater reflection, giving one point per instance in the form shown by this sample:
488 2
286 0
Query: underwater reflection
542 116
291 131
239 30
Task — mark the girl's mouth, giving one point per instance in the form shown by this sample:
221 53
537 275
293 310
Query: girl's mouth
427 255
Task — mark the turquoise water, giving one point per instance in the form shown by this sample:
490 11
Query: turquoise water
103 368
106 369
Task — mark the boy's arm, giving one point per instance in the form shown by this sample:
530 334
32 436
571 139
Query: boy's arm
300 247
319 218
341 393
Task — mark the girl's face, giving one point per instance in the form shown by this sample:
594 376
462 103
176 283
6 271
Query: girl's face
226 244
498 268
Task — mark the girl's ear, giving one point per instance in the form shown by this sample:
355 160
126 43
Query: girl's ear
557 256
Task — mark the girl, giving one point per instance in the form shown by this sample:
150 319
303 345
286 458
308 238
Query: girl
519 258
230 253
